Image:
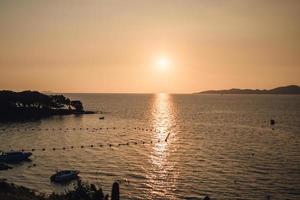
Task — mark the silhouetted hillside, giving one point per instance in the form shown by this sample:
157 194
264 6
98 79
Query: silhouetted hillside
32 105
291 89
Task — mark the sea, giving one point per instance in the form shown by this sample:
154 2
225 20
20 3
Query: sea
166 146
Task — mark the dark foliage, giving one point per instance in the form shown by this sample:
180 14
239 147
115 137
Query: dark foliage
32 104
77 105
80 192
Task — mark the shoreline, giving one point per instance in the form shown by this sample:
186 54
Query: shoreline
24 115
81 191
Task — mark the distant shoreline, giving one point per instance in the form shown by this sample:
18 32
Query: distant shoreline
286 90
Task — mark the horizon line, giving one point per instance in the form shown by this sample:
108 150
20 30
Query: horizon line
193 92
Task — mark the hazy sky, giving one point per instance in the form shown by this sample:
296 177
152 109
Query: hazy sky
115 46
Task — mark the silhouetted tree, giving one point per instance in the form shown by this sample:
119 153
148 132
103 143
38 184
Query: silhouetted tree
59 101
32 104
77 105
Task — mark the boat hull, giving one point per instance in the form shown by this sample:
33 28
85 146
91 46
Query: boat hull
64 176
15 157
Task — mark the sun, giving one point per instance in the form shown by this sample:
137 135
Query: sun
163 63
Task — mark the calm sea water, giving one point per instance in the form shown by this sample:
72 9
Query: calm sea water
221 146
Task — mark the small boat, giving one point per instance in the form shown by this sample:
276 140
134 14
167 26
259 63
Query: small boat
14 156
64 176
101 117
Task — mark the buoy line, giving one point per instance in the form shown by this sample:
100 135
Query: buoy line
97 145
80 129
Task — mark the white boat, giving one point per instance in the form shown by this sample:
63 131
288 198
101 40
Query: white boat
14 156
64 176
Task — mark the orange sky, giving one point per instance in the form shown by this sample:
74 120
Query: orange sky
114 46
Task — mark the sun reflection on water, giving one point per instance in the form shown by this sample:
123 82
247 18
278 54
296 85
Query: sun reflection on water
162 121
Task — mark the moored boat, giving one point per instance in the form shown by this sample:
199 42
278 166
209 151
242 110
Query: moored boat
14 156
64 176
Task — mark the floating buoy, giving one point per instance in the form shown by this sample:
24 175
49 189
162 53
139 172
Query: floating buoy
72 147
32 149
82 146
63 148
272 122
53 149
43 149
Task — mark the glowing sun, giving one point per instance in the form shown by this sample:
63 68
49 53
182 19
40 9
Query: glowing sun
163 63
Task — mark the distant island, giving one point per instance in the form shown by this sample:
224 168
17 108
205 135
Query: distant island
33 104
291 89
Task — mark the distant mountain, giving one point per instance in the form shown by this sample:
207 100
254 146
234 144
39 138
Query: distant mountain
291 89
